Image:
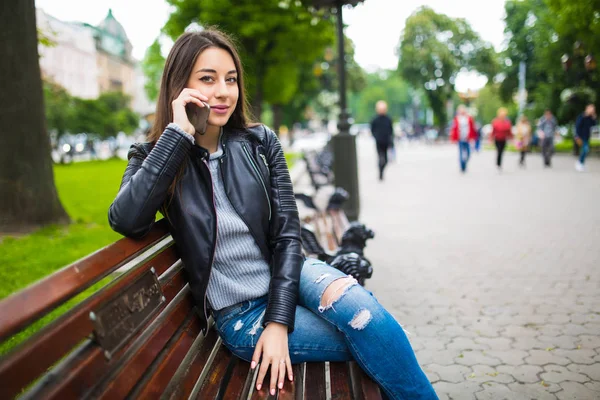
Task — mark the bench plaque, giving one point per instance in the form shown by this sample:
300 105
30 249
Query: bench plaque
124 315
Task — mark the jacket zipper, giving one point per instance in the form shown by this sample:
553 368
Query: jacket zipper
214 250
259 177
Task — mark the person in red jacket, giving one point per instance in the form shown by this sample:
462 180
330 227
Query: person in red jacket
463 131
501 132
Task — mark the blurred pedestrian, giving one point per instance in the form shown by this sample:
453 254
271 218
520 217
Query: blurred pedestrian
523 138
463 131
383 132
546 131
479 130
583 128
501 133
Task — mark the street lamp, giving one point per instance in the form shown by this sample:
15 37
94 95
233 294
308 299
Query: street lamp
345 166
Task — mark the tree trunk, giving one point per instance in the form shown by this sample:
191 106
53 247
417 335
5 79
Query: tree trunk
28 197
277 117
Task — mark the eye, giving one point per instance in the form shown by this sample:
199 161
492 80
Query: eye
233 79
207 78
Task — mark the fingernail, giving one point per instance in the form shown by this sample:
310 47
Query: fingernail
272 392
258 386
253 364
280 385
291 378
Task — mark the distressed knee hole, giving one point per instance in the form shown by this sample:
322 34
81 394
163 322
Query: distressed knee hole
335 291
361 319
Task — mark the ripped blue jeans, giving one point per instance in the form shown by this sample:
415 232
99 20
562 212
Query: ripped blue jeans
354 327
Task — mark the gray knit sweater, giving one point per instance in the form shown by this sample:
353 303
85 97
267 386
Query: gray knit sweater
239 271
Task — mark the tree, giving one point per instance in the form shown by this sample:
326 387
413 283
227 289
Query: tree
59 108
383 85
540 32
276 38
153 65
28 195
434 48
106 116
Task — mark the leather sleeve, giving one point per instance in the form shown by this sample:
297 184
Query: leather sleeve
284 239
145 183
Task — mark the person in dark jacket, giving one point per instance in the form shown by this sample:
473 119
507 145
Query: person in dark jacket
583 129
226 193
383 132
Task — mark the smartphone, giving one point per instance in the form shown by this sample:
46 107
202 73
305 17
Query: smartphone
198 116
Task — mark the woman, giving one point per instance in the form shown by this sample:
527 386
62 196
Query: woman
501 132
523 138
229 201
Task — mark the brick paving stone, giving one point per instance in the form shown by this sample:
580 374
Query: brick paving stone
450 373
484 373
593 371
535 391
581 356
467 344
495 343
559 374
563 342
543 357
460 277
462 391
510 356
522 373
476 357
576 391
589 341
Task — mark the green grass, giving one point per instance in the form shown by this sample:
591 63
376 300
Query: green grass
86 190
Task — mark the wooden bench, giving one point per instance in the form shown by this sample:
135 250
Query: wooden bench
137 335
319 175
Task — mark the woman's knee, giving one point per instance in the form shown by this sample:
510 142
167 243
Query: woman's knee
335 291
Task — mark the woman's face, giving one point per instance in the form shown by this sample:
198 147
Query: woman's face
215 76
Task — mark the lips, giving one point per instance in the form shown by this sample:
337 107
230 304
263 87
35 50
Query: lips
219 109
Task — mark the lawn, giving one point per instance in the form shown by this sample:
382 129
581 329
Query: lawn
86 190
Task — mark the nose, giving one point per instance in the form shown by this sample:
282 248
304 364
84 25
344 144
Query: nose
222 90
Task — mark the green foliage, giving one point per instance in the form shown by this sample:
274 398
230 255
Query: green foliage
434 48
384 85
540 32
59 107
106 116
489 101
276 39
152 66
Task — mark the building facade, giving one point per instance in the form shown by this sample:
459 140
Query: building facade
71 60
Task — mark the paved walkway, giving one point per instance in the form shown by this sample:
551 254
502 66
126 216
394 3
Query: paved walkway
495 275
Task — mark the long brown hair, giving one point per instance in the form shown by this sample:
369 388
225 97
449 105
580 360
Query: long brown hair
178 68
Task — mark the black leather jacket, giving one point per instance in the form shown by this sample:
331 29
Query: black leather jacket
257 182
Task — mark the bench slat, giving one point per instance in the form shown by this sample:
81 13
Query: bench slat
362 386
186 376
158 375
241 380
218 375
82 375
20 309
315 381
295 389
54 341
340 381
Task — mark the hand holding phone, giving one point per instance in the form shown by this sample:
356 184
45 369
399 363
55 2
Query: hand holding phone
198 116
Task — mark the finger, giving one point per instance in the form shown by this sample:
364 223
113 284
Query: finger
256 355
264 366
290 370
274 375
191 99
281 374
195 93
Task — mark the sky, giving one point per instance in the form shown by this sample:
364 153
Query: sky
375 26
